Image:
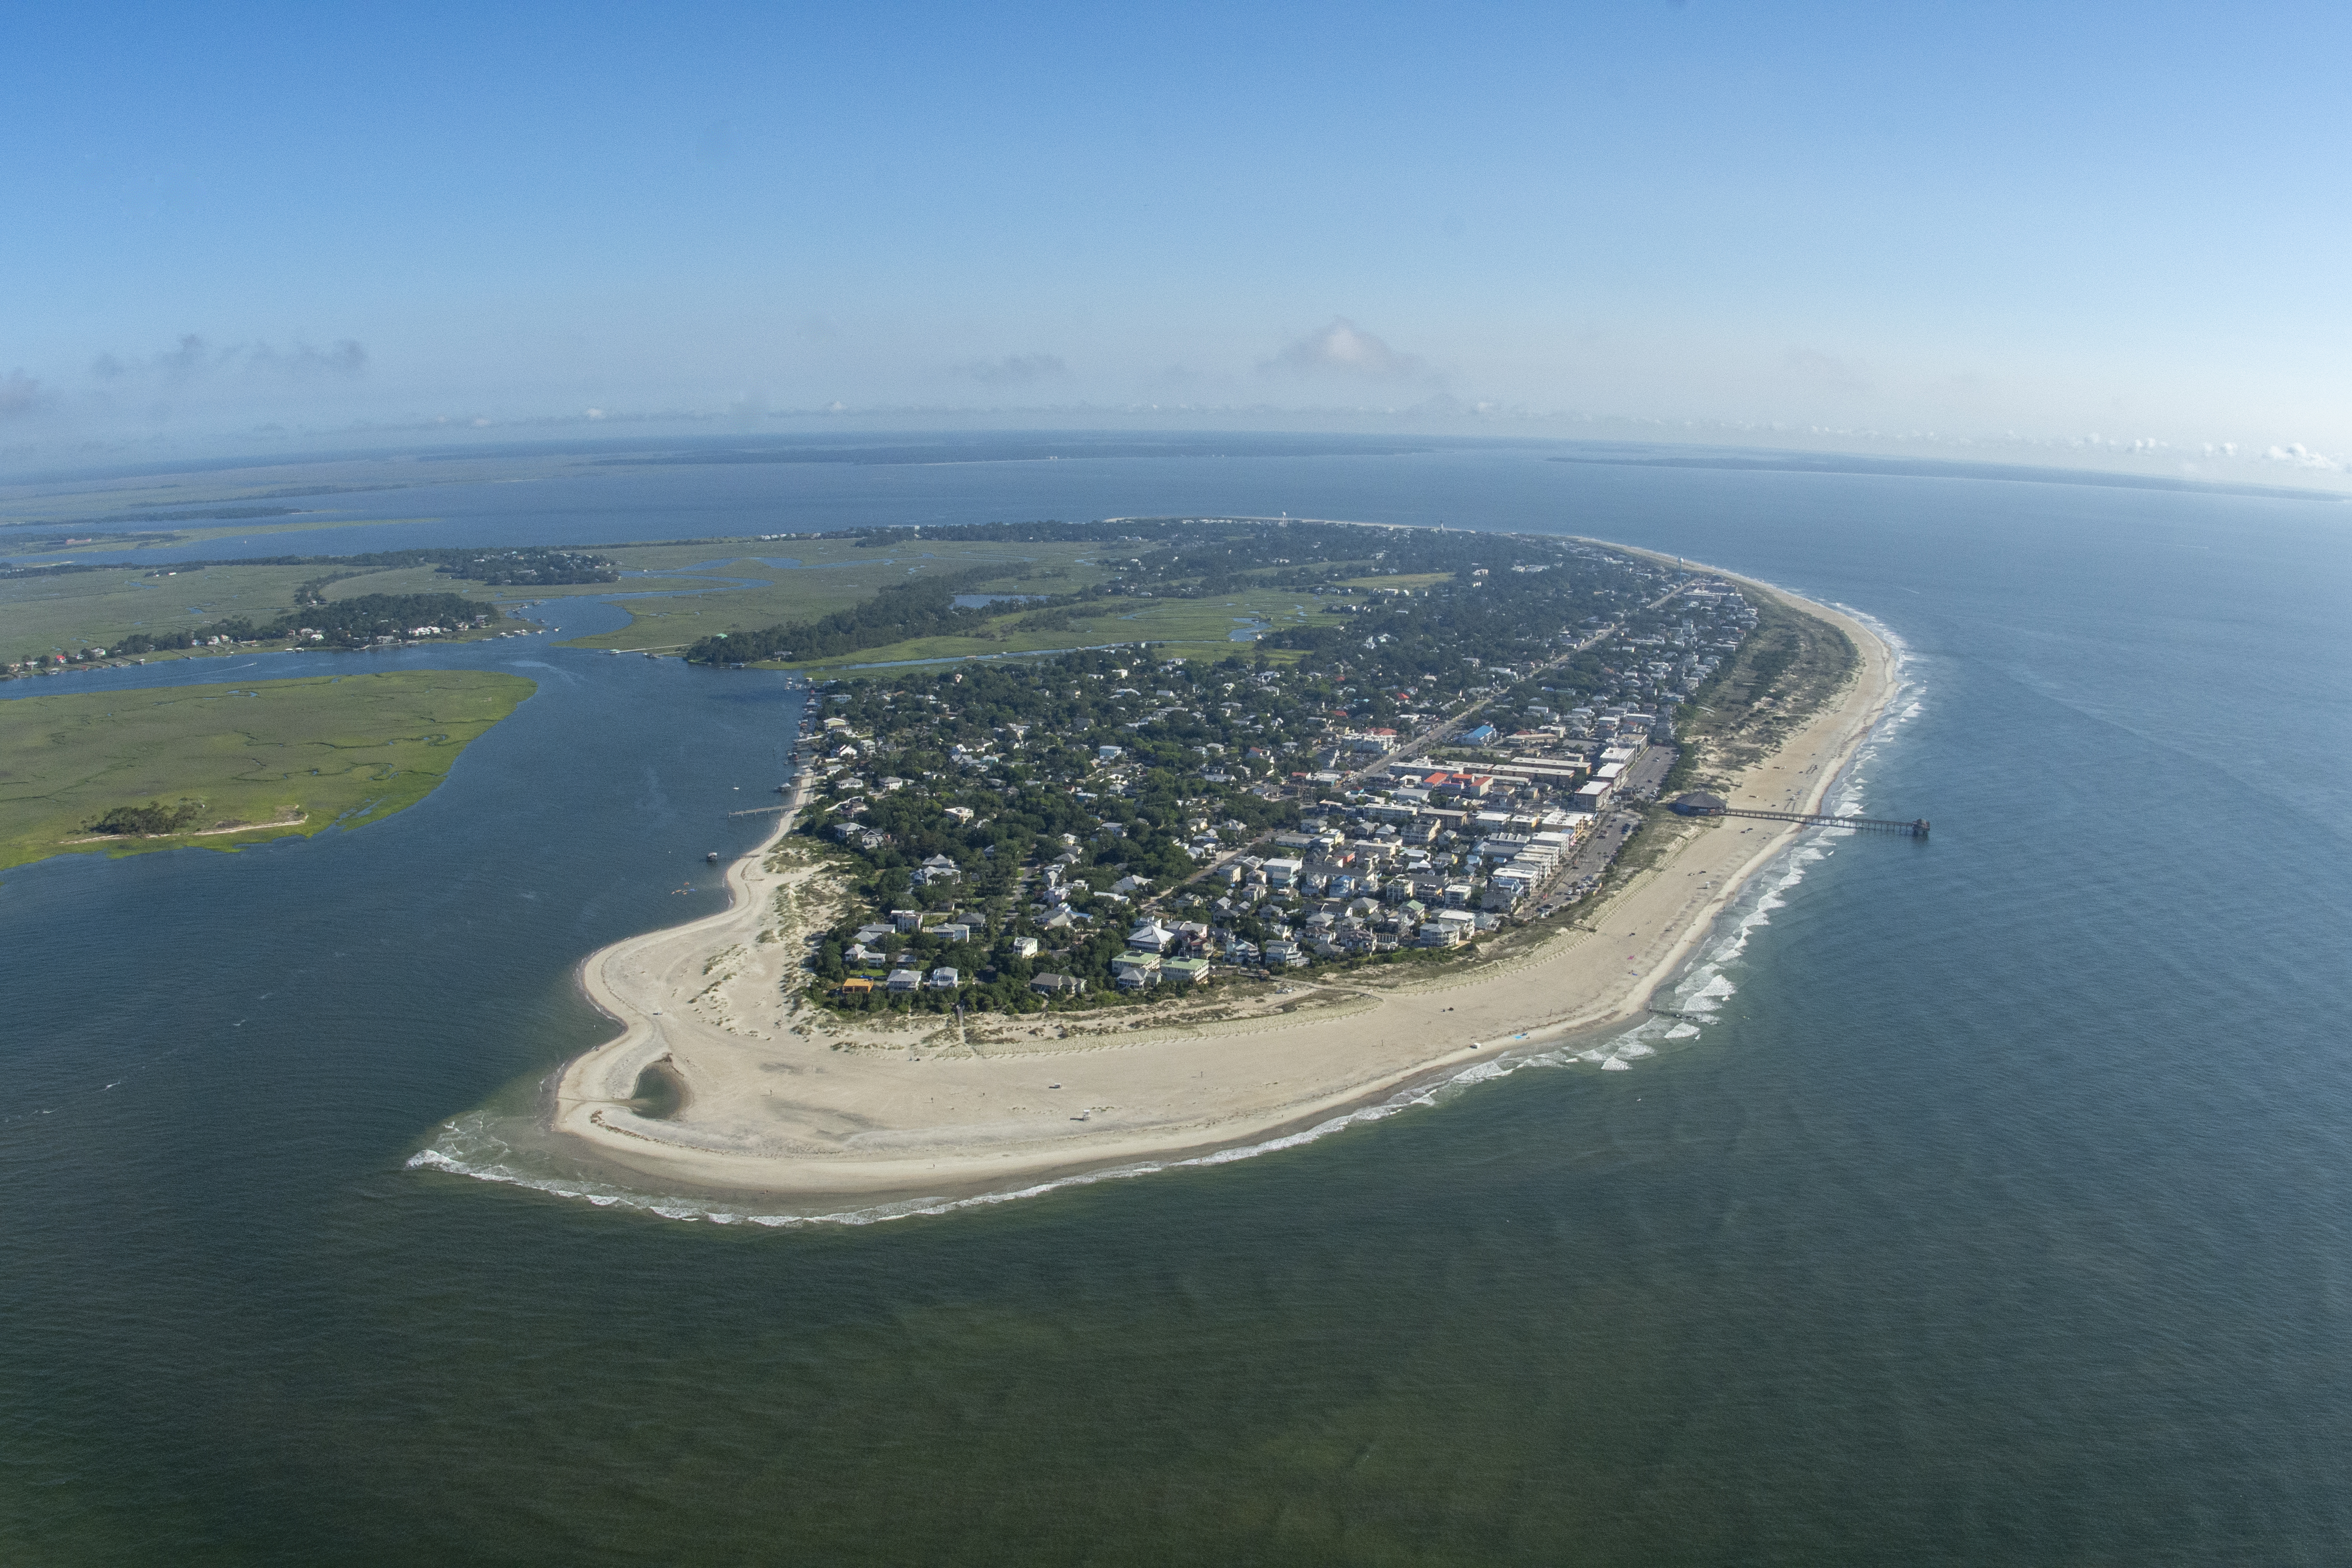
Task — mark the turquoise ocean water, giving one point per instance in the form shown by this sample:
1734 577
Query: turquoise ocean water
2002 1212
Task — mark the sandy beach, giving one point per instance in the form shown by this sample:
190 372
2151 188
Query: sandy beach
783 1099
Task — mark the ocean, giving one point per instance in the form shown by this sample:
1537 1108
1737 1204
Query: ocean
2000 1211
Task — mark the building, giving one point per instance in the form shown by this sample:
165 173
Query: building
1057 985
945 978
1190 971
906 982
1562 773
1151 937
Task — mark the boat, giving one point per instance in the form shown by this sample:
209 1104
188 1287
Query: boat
712 857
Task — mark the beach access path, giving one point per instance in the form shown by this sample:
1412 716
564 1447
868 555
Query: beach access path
785 1101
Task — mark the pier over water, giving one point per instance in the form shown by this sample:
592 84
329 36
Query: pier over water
1697 803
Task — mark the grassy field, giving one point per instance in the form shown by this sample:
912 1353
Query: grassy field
257 532
1400 580
40 615
832 575
697 589
260 760
1193 628
97 609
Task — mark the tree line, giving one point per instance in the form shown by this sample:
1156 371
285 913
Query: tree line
924 607
346 623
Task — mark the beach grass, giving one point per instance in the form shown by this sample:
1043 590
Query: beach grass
238 763
1791 667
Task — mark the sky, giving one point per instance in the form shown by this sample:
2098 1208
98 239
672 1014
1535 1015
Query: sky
2112 232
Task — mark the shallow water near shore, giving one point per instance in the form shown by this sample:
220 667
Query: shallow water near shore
1998 1211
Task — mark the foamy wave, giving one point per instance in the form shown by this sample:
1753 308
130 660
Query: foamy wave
1697 995
473 1146
1906 702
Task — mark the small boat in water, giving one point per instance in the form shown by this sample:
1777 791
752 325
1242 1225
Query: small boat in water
712 857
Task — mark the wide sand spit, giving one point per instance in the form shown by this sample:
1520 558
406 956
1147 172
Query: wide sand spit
783 1099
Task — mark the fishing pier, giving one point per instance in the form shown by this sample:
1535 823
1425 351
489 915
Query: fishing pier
1701 805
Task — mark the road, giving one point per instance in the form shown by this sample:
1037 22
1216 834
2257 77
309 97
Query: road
1452 721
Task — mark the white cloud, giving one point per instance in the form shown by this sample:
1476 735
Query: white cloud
2301 456
1344 348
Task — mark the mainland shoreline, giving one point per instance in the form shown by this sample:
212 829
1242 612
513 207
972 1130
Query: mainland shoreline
771 1107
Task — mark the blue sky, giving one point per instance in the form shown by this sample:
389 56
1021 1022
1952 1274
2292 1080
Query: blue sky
1998 224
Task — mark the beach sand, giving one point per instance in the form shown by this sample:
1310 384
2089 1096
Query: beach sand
784 1100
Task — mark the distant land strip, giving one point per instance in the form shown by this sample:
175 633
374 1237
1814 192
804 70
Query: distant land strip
1030 452
1931 469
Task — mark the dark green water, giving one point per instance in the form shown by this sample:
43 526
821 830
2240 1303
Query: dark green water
2003 1215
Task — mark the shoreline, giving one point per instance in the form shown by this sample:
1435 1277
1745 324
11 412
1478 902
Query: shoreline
772 1109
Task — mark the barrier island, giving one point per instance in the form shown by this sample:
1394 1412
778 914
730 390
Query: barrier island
1121 905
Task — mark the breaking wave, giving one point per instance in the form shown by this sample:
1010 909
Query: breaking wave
1681 1009
512 1150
